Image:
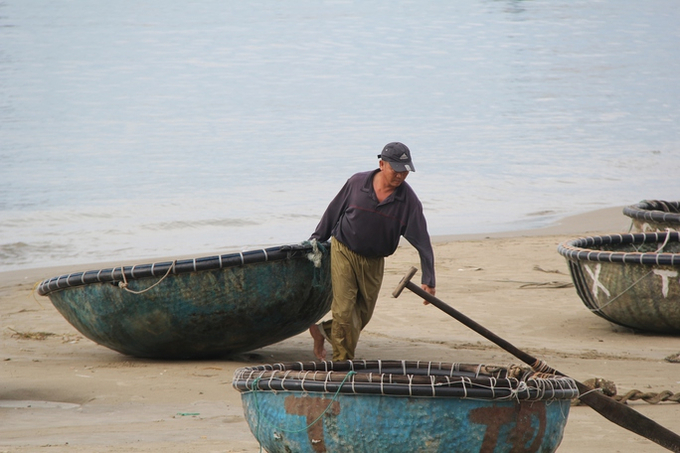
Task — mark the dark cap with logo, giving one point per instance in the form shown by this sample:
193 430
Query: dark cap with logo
398 156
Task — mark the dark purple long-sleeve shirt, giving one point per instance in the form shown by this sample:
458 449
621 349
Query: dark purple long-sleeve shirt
373 229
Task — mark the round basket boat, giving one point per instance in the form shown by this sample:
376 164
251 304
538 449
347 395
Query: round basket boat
629 279
199 307
654 215
403 406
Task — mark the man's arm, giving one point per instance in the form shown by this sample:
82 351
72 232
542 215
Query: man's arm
332 215
416 233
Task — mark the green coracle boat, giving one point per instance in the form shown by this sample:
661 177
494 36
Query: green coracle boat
629 279
200 307
654 215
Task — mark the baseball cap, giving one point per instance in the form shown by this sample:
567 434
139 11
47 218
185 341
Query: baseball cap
398 156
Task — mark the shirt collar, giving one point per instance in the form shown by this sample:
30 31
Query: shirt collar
397 195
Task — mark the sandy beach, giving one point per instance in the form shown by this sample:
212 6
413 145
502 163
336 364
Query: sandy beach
60 392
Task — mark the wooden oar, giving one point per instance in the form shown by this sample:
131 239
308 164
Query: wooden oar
609 408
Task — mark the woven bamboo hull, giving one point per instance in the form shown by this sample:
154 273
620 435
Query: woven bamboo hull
313 421
200 314
635 289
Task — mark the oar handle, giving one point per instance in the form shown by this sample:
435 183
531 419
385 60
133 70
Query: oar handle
406 282
609 408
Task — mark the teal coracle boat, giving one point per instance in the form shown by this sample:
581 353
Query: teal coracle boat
404 406
630 280
200 307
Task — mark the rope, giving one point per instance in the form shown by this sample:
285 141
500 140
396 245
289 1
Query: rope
33 293
259 414
649 397
608 388
590 391
124 283
542 367
668 235
315 255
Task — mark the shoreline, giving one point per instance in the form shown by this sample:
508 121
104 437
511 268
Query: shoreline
600 221
605 220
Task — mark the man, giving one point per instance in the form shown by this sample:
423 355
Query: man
366 220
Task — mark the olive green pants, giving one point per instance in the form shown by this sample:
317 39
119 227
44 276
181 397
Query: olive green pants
356 283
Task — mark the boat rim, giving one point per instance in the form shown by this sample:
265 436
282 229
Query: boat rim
175 267
580 249
407 378
646 210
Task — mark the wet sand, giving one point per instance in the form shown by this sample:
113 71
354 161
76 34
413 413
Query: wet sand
60 392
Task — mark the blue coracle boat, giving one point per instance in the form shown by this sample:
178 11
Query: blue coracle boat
199 307
402 406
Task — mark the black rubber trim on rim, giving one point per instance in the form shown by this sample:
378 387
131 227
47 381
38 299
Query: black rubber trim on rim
657 211
160 269
581 249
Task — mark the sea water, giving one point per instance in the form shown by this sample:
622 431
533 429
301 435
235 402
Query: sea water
134 130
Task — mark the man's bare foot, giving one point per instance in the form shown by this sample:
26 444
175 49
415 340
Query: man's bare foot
319 350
